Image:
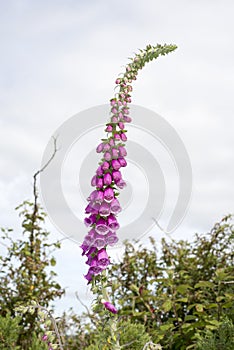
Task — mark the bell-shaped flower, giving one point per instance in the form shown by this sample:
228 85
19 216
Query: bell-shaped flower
115 164
107 179
105 166
104 209
122 151
111 238
115 207
101 226
102 258
99 148
122 162
116 175
108 194
89 221
107 156
112 223
121 183
99 171
99 182
110 307
99 243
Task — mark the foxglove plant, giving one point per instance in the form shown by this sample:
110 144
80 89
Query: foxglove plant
103 205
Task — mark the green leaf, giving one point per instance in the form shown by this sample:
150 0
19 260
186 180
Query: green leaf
167 305
52 261
199 307
204 284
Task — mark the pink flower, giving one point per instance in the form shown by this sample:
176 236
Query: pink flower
99 171
107 156
115 207
115 164
104 209
106 147
101 227
121 125
109 306
99 148
99 182
116 175
121 184
108 194
112 223
102 258
122 151
115 153
90 220
107 179
111 238
105 166
109 128
122 162
123 137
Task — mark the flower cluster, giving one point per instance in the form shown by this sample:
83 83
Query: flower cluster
103 206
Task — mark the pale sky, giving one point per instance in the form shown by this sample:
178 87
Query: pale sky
61 57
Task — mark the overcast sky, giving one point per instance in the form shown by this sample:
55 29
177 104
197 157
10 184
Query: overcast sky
61 57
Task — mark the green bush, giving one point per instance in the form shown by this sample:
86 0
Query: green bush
9 332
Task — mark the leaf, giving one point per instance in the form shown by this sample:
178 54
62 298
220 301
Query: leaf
166 327
199 307
52 261
182 288
167 305
205 284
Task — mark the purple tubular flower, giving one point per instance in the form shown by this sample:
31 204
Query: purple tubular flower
127 119
107 156
94 180
101 227
122 162
99 197
122 151
110 307
123 137
112 223
112 142
111 238
107 179
116 174
105 166
115 207
102 258
114 120
99 148
108 194
94 268
117 137
89 276
106 147
104 209
99 182
99 243
121 125
92 208
99 171
115 164
44 337
92 252
90 220
115 153
109 128
114 110
121 184
84 247
92 196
